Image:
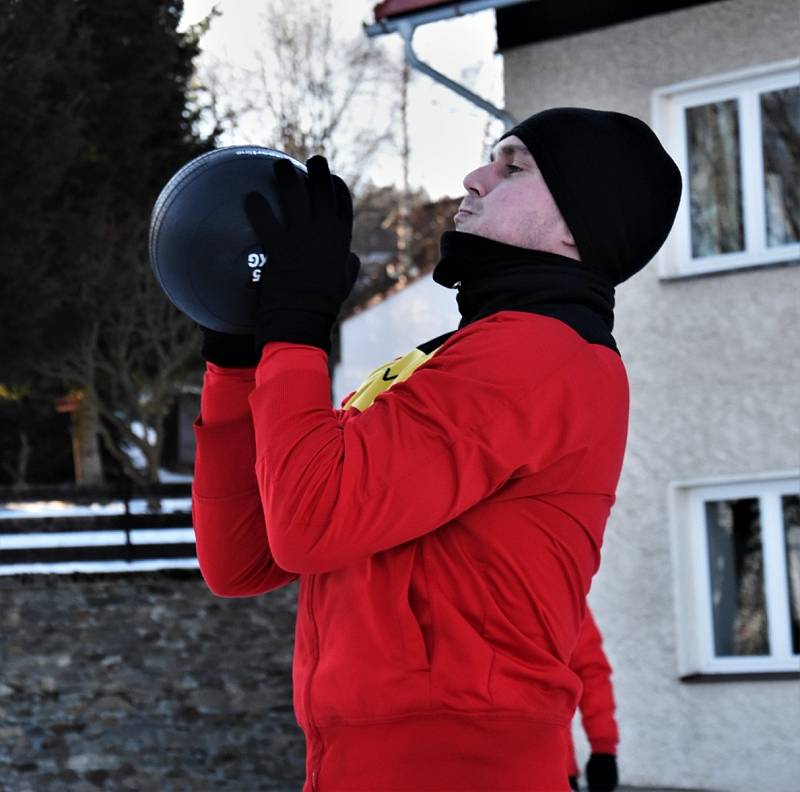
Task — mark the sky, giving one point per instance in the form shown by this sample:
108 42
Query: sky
447 133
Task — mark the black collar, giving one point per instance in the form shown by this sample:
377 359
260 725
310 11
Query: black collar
491 276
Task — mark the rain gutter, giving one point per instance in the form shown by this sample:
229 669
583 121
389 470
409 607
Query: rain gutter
406 26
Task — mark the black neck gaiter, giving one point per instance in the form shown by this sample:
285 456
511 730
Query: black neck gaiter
491 276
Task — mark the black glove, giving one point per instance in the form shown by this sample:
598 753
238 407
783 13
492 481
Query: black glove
601 772
228 350
309 269
573 783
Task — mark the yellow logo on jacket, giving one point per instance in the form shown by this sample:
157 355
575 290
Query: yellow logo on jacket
385 376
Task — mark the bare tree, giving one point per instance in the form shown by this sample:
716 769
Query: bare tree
313 91
211 95
136 348
142 360
404 230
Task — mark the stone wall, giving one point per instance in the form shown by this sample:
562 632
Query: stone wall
145 682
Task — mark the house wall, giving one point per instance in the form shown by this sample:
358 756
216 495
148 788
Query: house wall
388 330
713 367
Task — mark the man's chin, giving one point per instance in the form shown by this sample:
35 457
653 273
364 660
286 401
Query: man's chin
462 223
467 225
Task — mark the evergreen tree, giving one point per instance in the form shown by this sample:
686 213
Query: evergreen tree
97 96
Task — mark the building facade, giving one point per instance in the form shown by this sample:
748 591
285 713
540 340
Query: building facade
698 594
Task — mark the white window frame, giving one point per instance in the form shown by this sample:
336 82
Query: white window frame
668 106
691 578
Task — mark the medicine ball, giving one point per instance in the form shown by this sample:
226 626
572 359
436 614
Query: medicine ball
203 249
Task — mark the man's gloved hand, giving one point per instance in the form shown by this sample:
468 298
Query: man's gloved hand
601 772
228 350
309 269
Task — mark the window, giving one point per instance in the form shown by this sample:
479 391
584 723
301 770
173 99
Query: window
736 549
735 139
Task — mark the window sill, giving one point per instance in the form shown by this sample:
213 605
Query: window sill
740 676
716 272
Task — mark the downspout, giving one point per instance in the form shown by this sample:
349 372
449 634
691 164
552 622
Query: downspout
407 30
407 26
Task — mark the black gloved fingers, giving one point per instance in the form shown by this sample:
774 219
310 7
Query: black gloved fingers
310 269
296 327
293 195
344 201
228 350
260 214
321 187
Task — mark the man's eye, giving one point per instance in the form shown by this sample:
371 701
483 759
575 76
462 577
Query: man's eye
512 169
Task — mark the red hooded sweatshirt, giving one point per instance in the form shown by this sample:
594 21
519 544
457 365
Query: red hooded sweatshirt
596 704
445 528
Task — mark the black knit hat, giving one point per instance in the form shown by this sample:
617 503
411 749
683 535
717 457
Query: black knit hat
617 188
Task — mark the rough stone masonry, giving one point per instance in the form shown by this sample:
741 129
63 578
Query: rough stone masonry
145 682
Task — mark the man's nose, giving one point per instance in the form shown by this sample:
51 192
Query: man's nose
479 182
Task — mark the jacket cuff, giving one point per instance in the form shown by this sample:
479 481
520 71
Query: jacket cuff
604 746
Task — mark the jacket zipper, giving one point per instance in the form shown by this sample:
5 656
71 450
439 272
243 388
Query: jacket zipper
309 716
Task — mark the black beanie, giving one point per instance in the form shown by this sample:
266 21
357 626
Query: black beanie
617 188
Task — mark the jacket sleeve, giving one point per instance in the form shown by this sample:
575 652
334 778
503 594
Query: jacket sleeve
597 705
424 452
232 544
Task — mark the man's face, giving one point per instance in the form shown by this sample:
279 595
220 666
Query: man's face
508 201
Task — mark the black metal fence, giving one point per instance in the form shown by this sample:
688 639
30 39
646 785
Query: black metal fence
94 493
125 534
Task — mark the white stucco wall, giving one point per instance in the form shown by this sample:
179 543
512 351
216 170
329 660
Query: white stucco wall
388 330
713 366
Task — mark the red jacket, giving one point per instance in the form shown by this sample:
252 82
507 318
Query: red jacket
445 538
596 704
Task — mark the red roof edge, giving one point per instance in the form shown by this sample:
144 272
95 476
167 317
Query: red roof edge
395 8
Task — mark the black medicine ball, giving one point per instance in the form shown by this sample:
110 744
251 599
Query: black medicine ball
203 249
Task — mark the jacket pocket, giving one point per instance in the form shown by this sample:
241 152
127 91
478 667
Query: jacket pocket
415 611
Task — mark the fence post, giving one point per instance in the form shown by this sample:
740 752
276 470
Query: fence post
127 491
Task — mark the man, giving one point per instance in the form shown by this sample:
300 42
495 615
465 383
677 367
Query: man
446 523
597 707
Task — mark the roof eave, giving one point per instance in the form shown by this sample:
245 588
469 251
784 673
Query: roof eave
393 24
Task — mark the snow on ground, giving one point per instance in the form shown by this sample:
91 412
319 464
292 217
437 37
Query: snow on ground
138 461
57 508
168 477
96 538
95 567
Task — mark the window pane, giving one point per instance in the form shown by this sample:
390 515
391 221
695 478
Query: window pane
791 527
736 562
715 186
780 119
